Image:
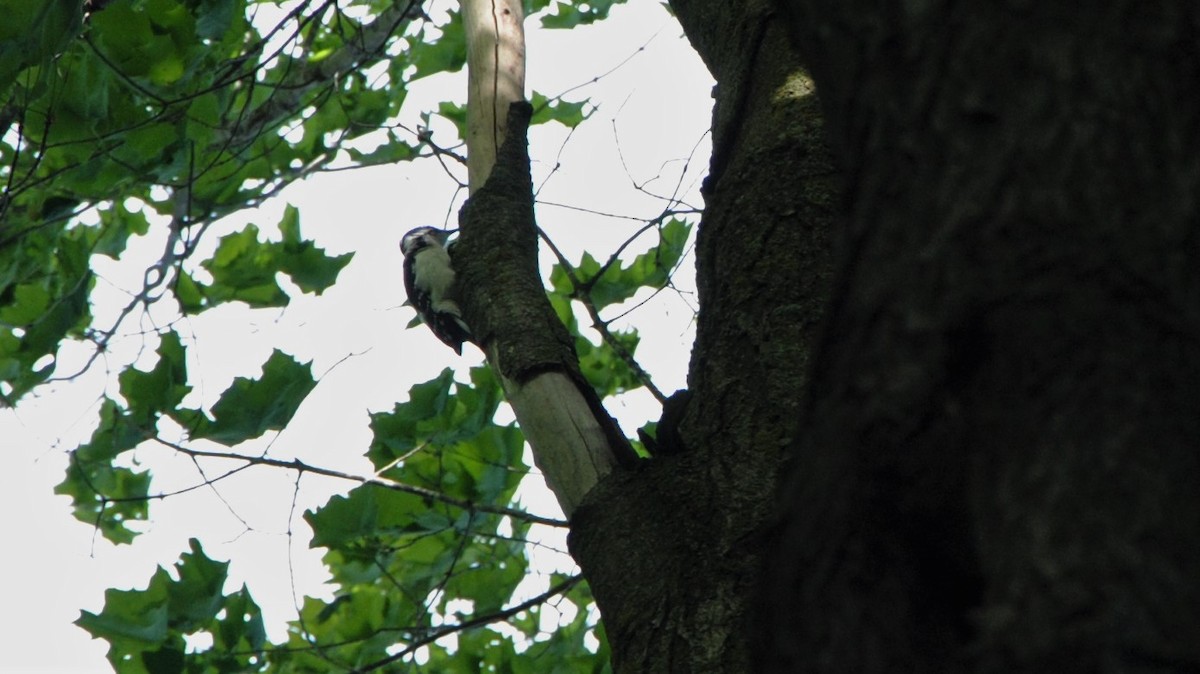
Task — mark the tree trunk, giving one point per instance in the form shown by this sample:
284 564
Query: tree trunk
993 452
998 464
574 440
495 33
672 551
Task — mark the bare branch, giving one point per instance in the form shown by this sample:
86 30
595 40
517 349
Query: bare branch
579 291
302 467
478 621
601 327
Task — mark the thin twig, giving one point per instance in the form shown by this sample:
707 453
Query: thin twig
479 621
580 292
423 492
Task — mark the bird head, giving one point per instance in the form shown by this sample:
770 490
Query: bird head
422 237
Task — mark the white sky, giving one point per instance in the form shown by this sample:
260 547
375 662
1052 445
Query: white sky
656 109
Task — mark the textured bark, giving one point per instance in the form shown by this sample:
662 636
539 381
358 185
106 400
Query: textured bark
993 446
998 465
672 551
575 442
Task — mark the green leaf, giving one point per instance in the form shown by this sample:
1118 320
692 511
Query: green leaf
115 434
308 266
157 147
34 32
461 451
166 660
150 393
560 280
456 114
492 569
390 152
104 495
189 293
534 6
44 284
29 302
364 512
651 269
195 599
399 431
242 629
572 14
217 17
604 369
172 98
446 53
251 407
204 117
116 224
479 401
107 497
566 113
146 628
243 269
132 620
67 311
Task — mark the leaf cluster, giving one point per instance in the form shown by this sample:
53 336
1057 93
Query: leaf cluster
146 629
177 112
609 365
245 269
441 555
111 496
563 14
121 117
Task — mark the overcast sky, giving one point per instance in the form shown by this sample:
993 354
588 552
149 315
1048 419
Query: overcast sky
654 110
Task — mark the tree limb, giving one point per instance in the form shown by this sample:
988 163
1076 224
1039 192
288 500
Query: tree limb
575 442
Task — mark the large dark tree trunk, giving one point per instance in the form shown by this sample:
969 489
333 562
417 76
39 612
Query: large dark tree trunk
995 463
672 551
998 467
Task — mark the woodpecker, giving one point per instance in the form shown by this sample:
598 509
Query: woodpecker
429 280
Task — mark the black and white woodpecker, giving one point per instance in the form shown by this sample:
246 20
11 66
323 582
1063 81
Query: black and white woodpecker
429 280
